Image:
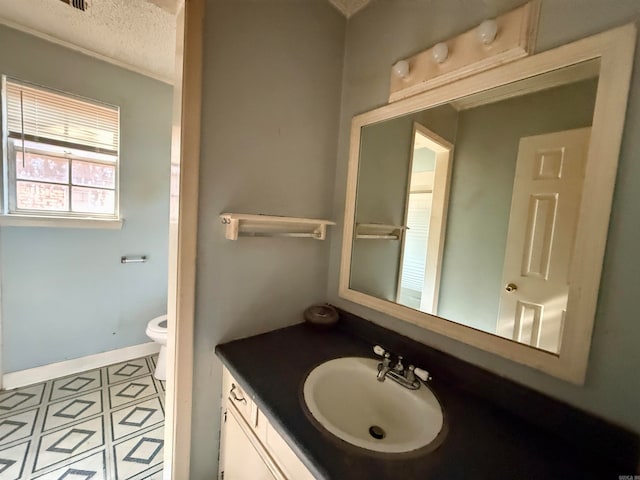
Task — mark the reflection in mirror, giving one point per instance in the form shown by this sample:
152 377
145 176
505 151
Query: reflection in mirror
425 214
483 194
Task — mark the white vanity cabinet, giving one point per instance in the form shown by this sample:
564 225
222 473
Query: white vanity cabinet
239 458
250 448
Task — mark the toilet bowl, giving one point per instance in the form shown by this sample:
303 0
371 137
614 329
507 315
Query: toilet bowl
157 331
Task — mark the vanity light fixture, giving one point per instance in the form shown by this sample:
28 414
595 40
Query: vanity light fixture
440 52
487 31
494 42
401 69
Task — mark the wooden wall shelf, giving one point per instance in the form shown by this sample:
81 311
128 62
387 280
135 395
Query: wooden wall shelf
379 231
250 225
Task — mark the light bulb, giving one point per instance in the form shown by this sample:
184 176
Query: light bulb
401 69
487 31
440 52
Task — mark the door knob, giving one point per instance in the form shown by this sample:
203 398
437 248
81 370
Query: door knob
511 287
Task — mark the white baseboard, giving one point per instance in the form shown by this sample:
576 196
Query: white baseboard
77 365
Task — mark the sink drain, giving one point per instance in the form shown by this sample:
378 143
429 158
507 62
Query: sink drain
377 432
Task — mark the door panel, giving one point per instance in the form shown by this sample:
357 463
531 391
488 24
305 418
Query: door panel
545 204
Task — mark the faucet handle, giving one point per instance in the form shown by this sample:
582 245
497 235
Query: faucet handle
378 350
422 374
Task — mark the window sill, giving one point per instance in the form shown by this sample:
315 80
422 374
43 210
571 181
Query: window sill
12 220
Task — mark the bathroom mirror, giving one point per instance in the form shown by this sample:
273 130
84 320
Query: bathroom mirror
479 209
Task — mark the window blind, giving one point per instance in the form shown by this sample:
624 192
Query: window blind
40 114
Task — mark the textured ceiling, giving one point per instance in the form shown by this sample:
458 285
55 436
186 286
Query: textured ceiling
134 33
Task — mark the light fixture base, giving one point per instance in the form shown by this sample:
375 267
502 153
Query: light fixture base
468 54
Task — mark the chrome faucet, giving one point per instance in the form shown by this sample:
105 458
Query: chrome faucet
407 377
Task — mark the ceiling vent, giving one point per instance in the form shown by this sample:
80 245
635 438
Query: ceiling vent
79 4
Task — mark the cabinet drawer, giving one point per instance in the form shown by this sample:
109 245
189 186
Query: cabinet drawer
275 452
236 395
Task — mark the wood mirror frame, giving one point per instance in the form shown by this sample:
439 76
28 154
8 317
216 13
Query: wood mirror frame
614 49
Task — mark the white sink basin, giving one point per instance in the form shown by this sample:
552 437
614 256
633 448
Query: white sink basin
345 397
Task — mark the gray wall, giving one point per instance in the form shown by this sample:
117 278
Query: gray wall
388 30
271 99
481 188
64 292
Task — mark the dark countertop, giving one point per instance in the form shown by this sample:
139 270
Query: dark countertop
484 441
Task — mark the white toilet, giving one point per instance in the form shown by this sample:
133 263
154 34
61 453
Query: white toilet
157 331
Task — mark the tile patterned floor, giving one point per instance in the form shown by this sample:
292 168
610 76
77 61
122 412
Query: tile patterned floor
104 424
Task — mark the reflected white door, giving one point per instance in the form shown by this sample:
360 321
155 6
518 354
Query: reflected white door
426 218
542 226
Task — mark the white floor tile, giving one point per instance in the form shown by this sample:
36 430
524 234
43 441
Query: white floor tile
136 417
92 467
103 424
139 454
127 370
134 390
21 399
155 476
12 461
17 427
69 386
73 409
63 444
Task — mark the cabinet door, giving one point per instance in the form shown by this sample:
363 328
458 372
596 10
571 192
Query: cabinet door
239 459
286 459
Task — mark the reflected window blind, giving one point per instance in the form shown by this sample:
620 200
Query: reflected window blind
416 240
43 115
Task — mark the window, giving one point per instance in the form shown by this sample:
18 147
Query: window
61 153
